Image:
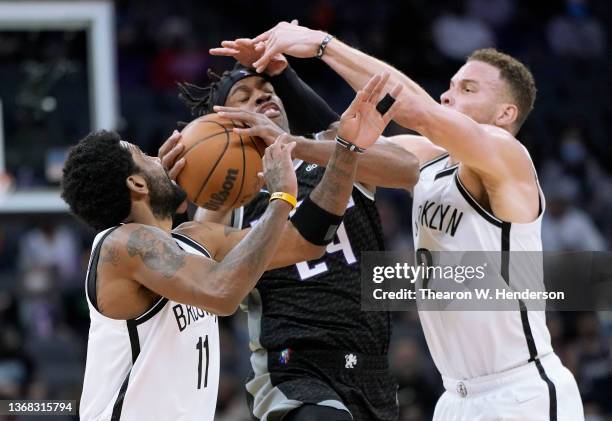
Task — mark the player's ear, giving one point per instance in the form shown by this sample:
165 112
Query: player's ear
137 184
507 115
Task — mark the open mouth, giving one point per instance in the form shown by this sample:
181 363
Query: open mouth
270 110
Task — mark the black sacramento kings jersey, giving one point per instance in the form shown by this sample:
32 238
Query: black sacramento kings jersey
317 304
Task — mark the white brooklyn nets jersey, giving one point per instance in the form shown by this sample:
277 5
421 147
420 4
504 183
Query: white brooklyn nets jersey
163 365
469 344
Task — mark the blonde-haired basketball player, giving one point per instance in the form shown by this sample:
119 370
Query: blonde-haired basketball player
497 364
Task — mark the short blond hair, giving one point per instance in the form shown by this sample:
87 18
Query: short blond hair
518 77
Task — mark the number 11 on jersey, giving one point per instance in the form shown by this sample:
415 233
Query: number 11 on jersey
201 346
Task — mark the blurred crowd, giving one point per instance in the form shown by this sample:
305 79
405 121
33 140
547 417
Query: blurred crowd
43 258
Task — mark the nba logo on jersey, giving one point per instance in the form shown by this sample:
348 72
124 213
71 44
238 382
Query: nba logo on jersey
351 361
285 356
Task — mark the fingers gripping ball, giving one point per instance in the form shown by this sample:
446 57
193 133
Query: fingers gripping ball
221 166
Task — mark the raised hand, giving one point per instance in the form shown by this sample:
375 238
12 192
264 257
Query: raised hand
287 38
244 52
258 124
278 169
169 151
362 124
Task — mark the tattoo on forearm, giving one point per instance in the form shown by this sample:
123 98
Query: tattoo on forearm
335 188
249 254
157 253
110 255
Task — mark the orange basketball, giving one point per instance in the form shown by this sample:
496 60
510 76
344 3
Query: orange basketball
221 166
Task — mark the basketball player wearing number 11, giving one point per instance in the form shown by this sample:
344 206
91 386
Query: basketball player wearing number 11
154 293
478 191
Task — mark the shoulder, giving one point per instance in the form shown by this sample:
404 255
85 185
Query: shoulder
420 146
199 230
133 234
512 151
121 245
498 133
209 235
504 139
193 229
133 242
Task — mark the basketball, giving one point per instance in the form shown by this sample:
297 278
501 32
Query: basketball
221 166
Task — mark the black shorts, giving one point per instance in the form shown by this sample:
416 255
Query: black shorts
357 383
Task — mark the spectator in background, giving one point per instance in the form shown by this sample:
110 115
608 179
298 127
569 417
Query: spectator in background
595 364
582 166
566 227
396 239
179 57
576 184
48 260
457 34
593 412
576 34
52 248
418 391
231 405
496 13
16 368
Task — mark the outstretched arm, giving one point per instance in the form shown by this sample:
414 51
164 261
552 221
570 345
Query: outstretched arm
355 67
150 256
362 125
331 194
307 112
401 166
485 149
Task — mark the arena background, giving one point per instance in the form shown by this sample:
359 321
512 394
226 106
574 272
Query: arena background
61 76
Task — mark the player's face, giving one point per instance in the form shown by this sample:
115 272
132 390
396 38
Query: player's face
257 95
165 196
477 91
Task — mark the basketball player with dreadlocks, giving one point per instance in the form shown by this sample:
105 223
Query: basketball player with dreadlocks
315 354
154 293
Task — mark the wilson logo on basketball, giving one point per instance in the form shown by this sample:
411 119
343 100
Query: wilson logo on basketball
218 199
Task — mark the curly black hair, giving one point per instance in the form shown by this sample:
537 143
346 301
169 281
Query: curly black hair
201 99
93 181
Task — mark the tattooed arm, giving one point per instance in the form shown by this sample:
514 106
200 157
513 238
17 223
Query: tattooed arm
332 194
362 125
150 257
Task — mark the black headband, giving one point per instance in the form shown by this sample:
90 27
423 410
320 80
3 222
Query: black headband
224 85
201 100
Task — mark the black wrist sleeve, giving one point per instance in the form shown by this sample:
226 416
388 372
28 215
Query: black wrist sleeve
307 112
315 224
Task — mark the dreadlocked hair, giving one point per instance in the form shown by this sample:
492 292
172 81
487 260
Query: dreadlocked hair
200 100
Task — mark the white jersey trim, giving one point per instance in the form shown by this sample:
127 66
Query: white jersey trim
237 218
155 308
488 215
192 243
433 161
367 193
474 203
92 270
